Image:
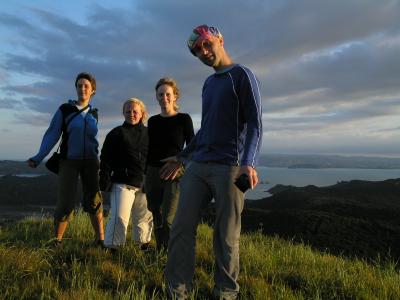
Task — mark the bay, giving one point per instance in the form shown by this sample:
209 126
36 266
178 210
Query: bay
271 176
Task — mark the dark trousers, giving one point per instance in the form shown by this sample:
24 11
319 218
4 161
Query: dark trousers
162 200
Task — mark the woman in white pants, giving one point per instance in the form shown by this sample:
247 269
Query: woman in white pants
122 166
124 200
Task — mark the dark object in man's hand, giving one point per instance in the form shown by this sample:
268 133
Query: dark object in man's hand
242 182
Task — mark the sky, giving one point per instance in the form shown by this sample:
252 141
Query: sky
329 71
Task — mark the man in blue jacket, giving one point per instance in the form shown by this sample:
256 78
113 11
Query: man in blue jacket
226 146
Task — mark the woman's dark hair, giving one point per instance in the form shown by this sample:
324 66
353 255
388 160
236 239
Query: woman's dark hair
87 76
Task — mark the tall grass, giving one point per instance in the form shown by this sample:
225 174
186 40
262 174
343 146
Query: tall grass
271 268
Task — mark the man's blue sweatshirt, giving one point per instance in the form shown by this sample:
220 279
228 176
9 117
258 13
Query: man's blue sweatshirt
231 125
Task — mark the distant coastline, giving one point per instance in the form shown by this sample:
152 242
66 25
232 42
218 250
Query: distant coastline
328 161
291 161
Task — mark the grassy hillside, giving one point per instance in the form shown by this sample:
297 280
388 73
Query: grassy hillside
271 268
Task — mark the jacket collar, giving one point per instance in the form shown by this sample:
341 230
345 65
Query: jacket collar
127 125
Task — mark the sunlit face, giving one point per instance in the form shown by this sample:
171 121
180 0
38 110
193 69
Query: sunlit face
209 51
84 89
133 113
166 98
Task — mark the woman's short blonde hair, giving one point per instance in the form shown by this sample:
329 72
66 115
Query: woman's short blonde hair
141 105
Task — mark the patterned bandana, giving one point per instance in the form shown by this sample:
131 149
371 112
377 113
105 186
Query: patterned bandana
199 34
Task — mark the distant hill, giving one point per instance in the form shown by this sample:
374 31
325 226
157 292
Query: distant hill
359 218
40 190
12 167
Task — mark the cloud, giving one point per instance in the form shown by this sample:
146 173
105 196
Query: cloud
321 64
6 103
394 129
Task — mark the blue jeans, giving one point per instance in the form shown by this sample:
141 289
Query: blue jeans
201 183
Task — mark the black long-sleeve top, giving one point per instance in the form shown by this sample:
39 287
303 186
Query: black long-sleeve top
124 153
167 136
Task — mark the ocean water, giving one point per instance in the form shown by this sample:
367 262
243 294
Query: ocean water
269 177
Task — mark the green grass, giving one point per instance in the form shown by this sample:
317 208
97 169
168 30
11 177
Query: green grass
271 268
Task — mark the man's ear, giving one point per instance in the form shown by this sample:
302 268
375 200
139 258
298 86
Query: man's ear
221 40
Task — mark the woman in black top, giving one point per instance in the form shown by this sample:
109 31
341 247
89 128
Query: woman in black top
168 131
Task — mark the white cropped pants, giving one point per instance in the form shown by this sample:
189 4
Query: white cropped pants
124 200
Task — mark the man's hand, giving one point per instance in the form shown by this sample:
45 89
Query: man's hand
31 163
171 168
252 173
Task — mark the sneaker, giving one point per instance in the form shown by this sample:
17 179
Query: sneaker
99 243
54 243
177 294
112 250
228 295
145 246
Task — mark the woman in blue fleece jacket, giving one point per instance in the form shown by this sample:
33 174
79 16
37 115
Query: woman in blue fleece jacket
76 122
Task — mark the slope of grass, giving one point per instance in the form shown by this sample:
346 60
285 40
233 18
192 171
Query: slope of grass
271 268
